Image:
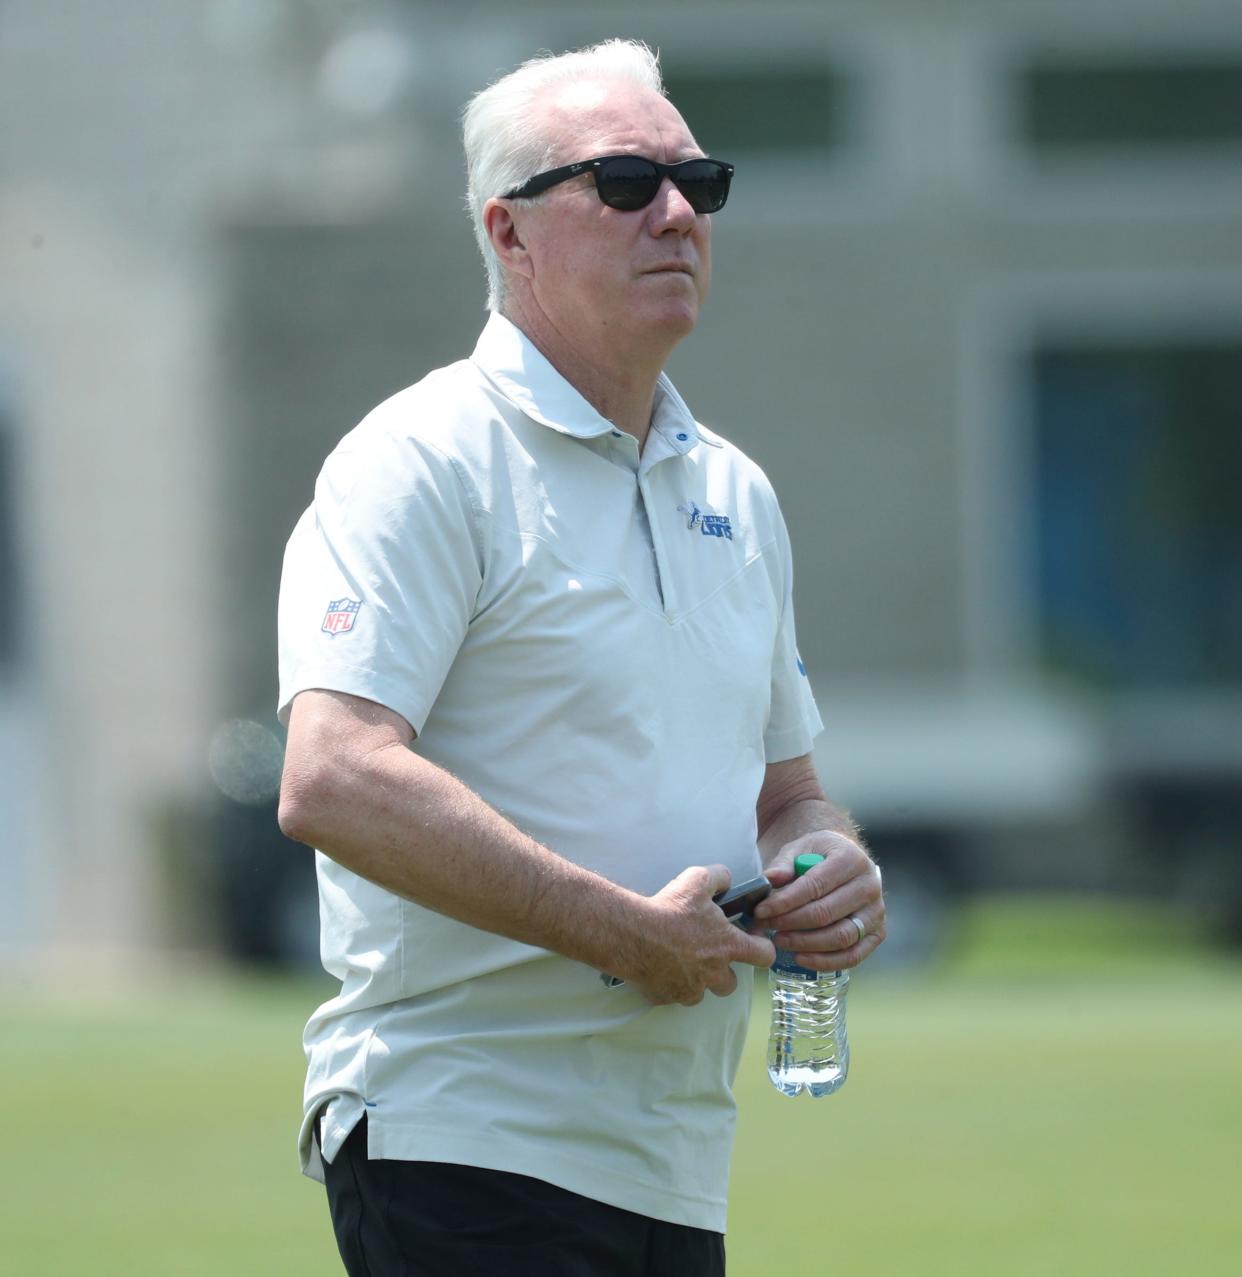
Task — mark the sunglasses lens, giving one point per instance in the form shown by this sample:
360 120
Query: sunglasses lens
704 183
630 182
627 182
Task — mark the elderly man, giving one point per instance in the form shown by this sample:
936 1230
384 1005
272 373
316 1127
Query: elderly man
544 701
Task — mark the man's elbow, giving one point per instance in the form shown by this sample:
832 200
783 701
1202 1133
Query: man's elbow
304 803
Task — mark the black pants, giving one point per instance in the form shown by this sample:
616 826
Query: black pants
435 1219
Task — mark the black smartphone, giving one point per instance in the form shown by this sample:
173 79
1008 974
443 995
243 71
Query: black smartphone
739 900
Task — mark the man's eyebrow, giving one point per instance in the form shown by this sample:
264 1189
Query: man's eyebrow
680 157
693 152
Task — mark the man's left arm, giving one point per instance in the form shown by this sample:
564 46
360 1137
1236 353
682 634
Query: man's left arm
813 915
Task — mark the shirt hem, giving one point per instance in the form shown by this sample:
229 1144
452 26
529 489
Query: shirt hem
392 694
778 747
426 1144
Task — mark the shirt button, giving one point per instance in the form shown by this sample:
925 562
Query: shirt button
616 434
683 436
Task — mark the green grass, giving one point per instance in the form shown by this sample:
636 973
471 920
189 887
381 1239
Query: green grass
1065 1096
159 1138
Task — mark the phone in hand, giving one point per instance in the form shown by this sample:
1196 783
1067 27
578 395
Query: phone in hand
735 902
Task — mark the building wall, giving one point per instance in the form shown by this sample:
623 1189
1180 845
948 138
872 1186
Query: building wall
227 230
120 139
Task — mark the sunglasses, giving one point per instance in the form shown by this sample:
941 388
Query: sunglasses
628 182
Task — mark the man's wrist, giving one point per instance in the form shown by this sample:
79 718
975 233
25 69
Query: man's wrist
600 923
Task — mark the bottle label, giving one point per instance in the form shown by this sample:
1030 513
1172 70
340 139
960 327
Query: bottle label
785 963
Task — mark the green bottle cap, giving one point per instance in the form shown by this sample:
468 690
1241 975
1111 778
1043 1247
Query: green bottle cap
808 860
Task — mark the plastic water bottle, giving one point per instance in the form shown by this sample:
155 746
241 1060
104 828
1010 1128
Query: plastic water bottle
807 1050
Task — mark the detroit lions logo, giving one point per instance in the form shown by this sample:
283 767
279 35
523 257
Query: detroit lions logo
710 525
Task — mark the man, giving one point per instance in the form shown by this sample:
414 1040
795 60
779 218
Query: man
544 701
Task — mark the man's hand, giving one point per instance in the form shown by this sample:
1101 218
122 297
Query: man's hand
812 916
689 947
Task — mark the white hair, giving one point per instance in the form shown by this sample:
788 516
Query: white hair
504 145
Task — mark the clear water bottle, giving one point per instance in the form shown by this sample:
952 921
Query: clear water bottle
807 1050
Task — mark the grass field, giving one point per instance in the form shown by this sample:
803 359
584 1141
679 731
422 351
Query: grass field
1064 1096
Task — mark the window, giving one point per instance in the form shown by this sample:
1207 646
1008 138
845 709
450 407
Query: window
1086 107
733 109
1138 454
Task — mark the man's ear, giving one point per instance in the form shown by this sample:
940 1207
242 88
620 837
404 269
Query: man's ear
503 231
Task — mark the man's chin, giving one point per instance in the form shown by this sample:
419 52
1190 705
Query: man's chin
675 321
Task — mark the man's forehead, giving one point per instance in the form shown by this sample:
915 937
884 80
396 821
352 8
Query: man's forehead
586 114
582 97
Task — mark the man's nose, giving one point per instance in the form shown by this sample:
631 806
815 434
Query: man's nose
671 210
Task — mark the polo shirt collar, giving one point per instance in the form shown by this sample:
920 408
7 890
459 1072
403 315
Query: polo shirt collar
511 361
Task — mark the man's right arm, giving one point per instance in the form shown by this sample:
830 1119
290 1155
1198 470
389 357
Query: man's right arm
353 789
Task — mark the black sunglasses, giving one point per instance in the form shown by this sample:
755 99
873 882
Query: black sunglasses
628 182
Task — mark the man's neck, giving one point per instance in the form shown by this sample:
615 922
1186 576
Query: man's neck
619 385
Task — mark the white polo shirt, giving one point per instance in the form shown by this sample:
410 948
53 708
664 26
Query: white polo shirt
601 645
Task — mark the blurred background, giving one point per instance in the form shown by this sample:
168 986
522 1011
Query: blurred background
977 312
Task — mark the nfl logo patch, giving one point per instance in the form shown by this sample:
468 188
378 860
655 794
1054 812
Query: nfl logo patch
339 618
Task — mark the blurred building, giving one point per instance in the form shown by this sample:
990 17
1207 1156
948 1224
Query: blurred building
978 312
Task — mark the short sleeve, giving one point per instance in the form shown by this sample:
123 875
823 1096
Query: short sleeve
793 717
380 577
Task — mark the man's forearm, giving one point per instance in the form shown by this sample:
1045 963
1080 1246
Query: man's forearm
353 789
409 826
801 817
792 804
833 917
